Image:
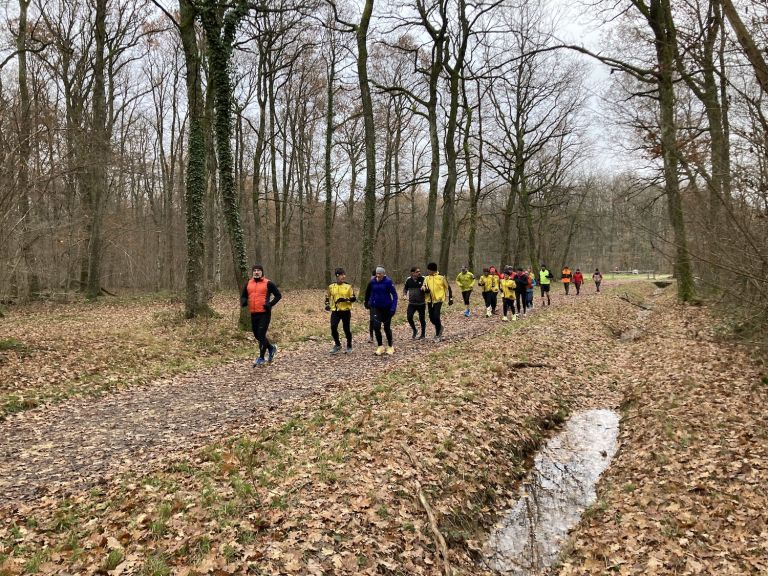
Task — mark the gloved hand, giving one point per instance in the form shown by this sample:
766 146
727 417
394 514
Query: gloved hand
267 306
327 308
353 299
243 302
342 300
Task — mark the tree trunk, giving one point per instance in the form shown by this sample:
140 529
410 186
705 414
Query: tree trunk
660 20
99 155
32 284
370 143
196 183
328 210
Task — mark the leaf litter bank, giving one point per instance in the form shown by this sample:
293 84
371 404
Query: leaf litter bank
343 485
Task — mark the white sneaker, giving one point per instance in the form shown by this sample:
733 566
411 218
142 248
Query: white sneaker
488 312
504 319
379 351
390 350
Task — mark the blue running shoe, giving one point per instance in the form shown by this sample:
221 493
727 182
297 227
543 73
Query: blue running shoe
466 313
259 362
272 352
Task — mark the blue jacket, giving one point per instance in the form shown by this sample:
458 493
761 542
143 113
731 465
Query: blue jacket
381 294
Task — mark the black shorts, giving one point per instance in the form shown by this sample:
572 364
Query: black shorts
544 288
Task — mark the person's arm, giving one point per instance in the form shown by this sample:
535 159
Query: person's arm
367 302
276 295
328 299
244 296
450 292
393 292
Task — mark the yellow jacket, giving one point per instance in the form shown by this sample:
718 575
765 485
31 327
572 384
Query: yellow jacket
508 288
465 281
336 292
489 283
438 288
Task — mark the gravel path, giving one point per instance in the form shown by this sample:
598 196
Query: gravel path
84 442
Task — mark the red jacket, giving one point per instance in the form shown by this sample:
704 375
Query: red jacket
578 278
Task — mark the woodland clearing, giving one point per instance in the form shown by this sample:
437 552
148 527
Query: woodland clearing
331 468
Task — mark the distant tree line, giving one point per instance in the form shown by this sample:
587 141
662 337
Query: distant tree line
150 145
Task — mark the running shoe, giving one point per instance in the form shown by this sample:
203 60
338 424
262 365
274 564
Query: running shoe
259 362
413 337
348 350
488 312
379 351
467 313
390 350
504 319
335 349
514 316
272 352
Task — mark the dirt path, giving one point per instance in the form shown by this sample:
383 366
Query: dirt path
82 443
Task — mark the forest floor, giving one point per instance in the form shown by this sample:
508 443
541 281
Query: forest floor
136 442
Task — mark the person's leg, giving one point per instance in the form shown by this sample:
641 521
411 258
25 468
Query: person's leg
409 315
422 320
541 291
255 328
335 318
567 287
346 319
438 306
578 288
597 284
494 302
505 302
377 320
264 343
371 323
549 302
431 313
465 297
387 321
519 298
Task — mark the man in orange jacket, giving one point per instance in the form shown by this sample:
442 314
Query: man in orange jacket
256 295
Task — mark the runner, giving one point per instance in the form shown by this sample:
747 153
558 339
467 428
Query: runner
465 280
578 280
521 285
529 288
435 289
416 301
507 284
338 301
256 295
545 277
490 283
565 277
381 299
597 278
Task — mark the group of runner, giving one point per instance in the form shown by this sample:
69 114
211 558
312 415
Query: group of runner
425 296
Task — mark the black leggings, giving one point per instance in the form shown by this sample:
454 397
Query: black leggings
343 316
259 325
413 309
520 299
382 316
465 296
491 300
434 316
508 304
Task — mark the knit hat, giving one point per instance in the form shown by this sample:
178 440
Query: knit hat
380 270
257 267
339 271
